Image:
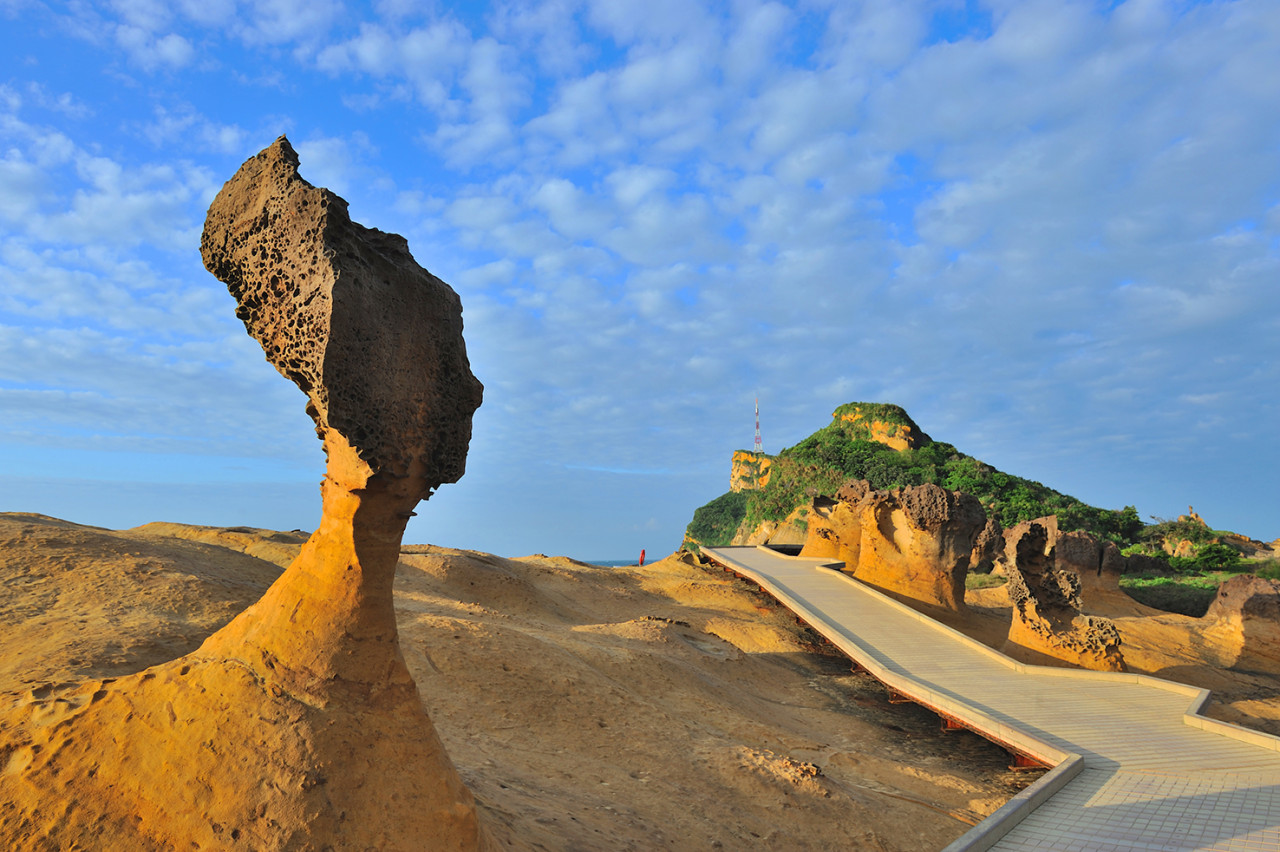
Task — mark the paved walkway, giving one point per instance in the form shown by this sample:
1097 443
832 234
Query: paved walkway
1137 767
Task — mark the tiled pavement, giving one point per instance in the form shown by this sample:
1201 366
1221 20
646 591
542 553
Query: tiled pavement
1149 776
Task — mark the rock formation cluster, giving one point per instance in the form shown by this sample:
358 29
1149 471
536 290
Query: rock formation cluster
915 542
919 543
298 724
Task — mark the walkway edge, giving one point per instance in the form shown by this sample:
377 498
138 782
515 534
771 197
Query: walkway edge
1192 717
1001 821
1066 765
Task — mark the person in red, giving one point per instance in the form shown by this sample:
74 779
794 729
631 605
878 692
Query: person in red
641 565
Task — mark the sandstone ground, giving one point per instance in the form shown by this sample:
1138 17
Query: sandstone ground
586 708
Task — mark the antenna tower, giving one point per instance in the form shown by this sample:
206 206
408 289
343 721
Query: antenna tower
759 443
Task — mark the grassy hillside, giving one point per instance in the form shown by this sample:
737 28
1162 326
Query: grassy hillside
844 450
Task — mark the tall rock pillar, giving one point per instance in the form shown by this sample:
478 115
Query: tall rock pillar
298 725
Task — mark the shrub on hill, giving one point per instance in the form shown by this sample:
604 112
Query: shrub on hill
714 524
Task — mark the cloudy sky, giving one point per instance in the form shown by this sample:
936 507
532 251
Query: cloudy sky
1049 230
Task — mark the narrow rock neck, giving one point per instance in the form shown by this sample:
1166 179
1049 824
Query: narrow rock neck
326 628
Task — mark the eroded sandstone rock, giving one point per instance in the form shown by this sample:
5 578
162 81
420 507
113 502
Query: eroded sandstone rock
1007 555
1097 562
915 541
750 471
297 725
987 547
1242 625
1048 625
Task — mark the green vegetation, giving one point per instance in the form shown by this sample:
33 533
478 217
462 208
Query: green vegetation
1267 569
714 524
1011 499
983 581
1207 550
840 451
882 411
1186 595
1189 587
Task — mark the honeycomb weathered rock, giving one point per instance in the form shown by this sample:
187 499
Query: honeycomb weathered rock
347 314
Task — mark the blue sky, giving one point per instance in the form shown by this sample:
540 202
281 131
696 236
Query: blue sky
1049 230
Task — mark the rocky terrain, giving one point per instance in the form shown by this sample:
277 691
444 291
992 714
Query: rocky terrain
1061 604
585 708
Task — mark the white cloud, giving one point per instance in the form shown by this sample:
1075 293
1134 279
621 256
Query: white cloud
428 57
282 21
1059 229
22 184
630 21
195 131
572 212
151 52
547 31
759 31
482 213
633 184
337 163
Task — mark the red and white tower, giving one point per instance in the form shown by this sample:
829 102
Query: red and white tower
759 443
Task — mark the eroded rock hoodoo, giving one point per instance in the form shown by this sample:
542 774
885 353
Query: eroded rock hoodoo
1242 626
914 541
1048 626
296 726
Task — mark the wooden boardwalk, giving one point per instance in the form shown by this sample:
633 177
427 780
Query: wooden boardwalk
1136 767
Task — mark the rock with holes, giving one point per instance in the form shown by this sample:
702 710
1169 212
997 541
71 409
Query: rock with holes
915 542
297 725
1097 562
1048 626
344 311
987 547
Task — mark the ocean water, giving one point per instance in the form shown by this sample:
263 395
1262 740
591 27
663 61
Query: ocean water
610 563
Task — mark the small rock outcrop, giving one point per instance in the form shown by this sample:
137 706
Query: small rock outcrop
1242 625
915 542
987 547
1097 562
298 725
750 471
1193 517
884 424
1048 626
1008 548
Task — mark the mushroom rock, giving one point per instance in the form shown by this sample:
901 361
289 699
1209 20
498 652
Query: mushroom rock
1242 625
298 724
1048 626
915 542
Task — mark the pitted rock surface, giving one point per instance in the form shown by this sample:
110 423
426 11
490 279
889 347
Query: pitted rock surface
1048 625
987 547
1016 534
915 542
347 314
297 725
